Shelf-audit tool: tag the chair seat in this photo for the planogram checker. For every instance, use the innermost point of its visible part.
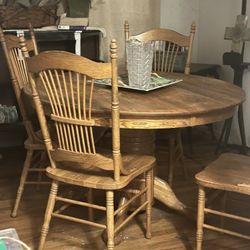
(99, 179)
(230, 172)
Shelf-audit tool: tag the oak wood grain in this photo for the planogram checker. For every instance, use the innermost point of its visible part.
(197, 100)
(230, 173)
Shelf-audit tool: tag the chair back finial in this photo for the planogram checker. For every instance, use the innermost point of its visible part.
(1, 34)
(193, 27)
(33, 38)
(190, 49)
(126, 35)
(126, 30)
(23, 46)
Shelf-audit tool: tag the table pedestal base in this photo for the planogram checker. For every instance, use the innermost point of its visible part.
(143, 142)
(164, 193)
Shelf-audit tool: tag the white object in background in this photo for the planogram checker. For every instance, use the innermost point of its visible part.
(77, 35)
(20, 33)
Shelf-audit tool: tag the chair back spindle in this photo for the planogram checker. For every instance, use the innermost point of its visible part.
(68, 82)
(168, 46)
(115, 112)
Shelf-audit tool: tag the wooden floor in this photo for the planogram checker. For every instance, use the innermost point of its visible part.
(169, 229)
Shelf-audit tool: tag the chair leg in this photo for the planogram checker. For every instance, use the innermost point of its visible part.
(200, 218)
(149, 186)
(181, 155)
(110, 219)
(190, 139)
(42, 161)
(47, 217)
(23, 178)
(90, 200)
(171, 161)
(223, 209)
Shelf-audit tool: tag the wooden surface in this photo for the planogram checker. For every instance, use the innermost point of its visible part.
(170, 231)
(195, 101)
(230, 172)
(72, 113)
(74, 159)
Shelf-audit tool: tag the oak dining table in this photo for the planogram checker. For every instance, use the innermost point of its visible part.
(196, 100)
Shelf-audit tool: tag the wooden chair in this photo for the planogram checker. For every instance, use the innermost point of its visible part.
(19, 79)
(230, 172)
(168, 47)
(68, 86)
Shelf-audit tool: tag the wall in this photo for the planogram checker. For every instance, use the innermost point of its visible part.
(178, 15)
(111, 14)
(214, 17)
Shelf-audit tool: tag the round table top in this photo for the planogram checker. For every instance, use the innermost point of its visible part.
(195, 101)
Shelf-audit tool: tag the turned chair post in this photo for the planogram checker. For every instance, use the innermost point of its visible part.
(200, 217)
(115, 113)
(33, 39)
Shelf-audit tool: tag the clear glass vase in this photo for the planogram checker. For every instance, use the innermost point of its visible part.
(139, 63)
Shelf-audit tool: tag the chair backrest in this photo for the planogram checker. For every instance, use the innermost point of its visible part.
(67, 81)
(169, 45)
(18, 72)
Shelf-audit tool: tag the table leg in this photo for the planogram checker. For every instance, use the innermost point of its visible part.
(164, 193)
(227, 129)
(242, 126)
(143, 142)
(224, 136)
